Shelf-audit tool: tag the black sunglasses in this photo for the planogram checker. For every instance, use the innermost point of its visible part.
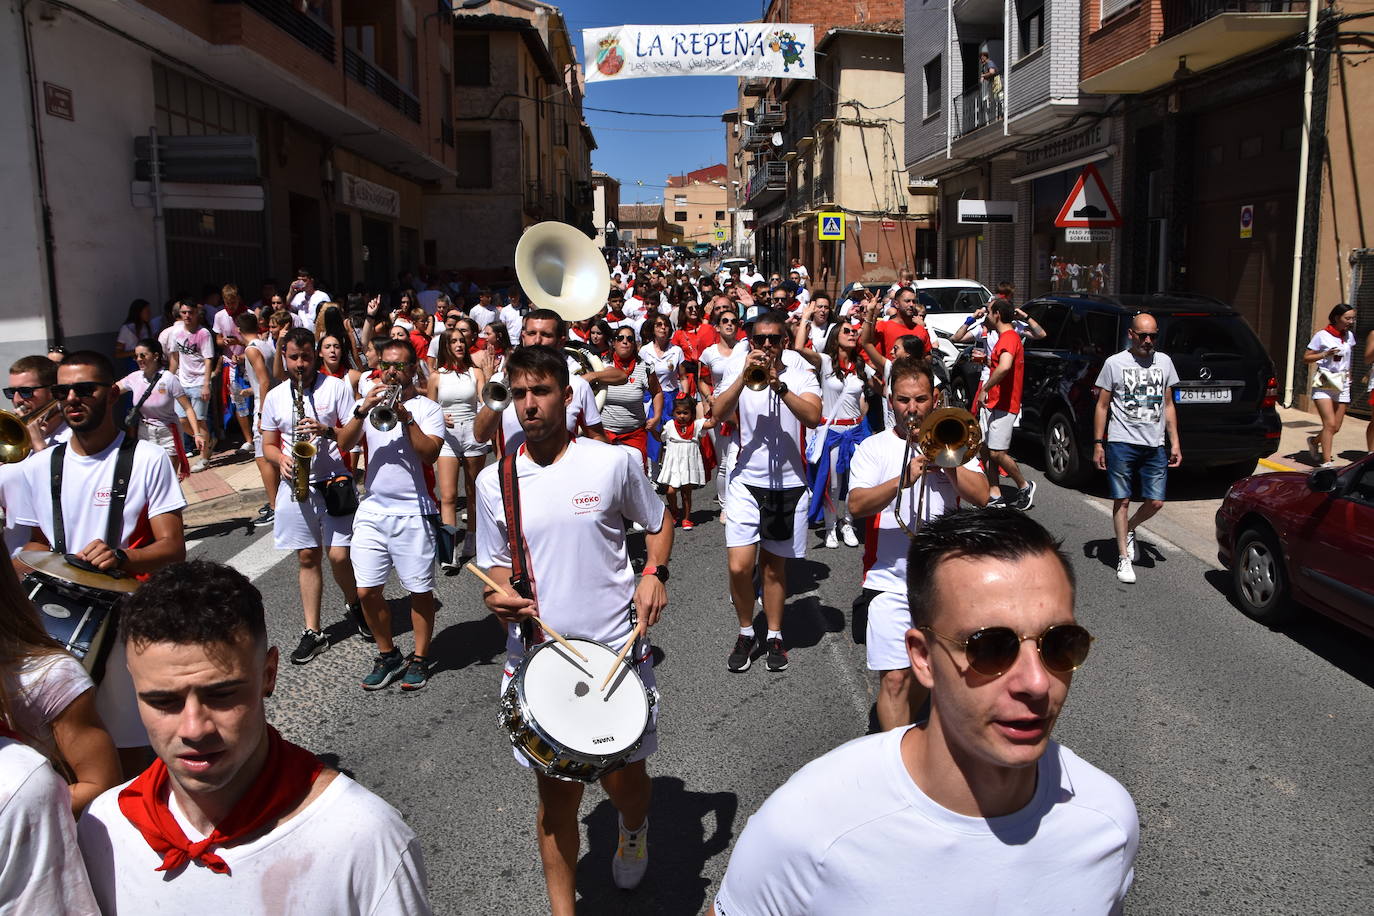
(82, 389)
(992, 651)
(1147, 335)
(24, 391)
(765, 339)
(623, 337)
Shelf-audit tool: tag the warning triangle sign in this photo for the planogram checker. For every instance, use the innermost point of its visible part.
(1089, 205)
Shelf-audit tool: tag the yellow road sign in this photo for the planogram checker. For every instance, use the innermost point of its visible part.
(720, 235)
(830, 226)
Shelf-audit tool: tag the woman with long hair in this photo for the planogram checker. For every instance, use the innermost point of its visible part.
(1331, 349)
(336, 359)
(138, 324)
(496, 345)
(599, 335)
(48, 699)
(843, 426)
(693, 336)
(624, 416)
(665, 360)
(333, 322)
(154, 389)
(456, 386)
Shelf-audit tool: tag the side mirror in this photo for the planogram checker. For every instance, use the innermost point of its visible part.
(1322, 481)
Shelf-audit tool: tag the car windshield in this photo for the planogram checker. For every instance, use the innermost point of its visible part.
(953, 298)
(1209, 337)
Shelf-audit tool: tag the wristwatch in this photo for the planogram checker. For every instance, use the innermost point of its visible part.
(660, 571)
(779, 388)
(356, 414)
(121, 557)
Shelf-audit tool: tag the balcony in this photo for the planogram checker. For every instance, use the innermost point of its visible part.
(771, 115)
(757, 85)
(305, 28)
(756, 138)
(975, 109)
(1203, 34)
(380, 84)
(767, 182)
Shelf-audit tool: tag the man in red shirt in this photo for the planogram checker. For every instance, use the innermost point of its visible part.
(910, 319)
(1000, 403)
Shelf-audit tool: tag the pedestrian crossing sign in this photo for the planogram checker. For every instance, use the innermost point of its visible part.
(720, 235)
(830, 227)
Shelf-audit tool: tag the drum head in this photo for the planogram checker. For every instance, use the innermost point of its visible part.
(563, 696)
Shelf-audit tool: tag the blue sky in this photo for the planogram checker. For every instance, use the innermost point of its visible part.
(649, 149)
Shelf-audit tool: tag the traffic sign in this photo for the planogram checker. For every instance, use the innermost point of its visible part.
(830, 226)
(1087, 235)
(1247, 221)
(720, 235)
(888, 225)
(1089, 205)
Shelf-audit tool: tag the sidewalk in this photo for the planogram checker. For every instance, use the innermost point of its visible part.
(1348, 445)
(229, 488)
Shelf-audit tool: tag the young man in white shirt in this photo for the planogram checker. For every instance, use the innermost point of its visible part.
(483, 313)
(229, 806)
(394, 525)
(766, 496)
(190, 349)
(876, 483)
(590, 592)
(950, 813)
(304, 525)
(151, 532)
(305, 299)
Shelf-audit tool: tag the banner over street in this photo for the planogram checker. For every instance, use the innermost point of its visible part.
(759, 49)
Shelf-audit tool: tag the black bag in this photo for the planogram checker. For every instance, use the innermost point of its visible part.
(777, 511)
(340, 496)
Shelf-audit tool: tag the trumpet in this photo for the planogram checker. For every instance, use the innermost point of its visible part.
(946, 438)
(383, 415)
(14, 432)
(302, 451)
(496, 394)
(755, 377)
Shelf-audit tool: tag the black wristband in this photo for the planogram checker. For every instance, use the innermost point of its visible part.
(356, 415)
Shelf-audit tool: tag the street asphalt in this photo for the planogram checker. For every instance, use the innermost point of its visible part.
(1248, 751)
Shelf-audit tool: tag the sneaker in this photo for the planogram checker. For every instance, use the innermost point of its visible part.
(1124, 571)
(417, 673)
(743, 655)
(996, 502)
(687, 524)
(777, 655)
(199, 466)
(831, 540)
(385, 669)
(312, 643)
(266, 518)
(1025, 497)
(264, 511)
(1132, 548)
(847, 533)
(1329, 464)
(355, 614)
(246, 448)
(631, 857)
(1314, 449)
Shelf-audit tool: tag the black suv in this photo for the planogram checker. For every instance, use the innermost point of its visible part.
(1225, 395)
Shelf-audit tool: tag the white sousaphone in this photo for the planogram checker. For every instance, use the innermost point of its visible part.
(561, 269)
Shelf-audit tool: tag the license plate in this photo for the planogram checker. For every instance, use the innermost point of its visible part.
(1202, 395)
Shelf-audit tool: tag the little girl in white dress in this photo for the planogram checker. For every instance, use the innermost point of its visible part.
(681, 468)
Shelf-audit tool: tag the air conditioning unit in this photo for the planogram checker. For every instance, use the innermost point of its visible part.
(916, 185)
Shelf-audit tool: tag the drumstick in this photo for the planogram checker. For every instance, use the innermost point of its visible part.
(492, 583)
(615, 665)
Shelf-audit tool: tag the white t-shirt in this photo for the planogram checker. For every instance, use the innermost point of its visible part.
(39, 690)
(158, 409)
(852, 833)
(583, 407)
(1324, 340)
(129, 336)
(226, 327)
(513, 319)
(665, 366)
(269, 353)
(770, 435)
(43, 871)
(86, 481)
(330, 402)
(348, 852)
(305, 307)
(193, 352)
(485, 316)
(842, 399)
(877, 460)
(715, 362)
(398, 482)
(581, 499)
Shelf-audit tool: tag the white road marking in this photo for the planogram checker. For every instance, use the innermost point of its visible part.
(1148, 535)
(257, 558)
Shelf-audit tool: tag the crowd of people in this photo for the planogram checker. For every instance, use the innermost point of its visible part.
(415, 431)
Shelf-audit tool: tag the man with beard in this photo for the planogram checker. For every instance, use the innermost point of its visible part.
(151, 533)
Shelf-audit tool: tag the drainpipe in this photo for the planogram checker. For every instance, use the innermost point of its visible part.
(1304, 179)
(49, 246)
(1004, 66)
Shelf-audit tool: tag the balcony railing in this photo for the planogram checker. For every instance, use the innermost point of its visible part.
(303, 27)
(772, 114)
(768, 176)
(374, 80)
(1182, 15)
(756, 85)
(976, 108)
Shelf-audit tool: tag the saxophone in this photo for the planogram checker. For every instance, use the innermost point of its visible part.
(301, 448)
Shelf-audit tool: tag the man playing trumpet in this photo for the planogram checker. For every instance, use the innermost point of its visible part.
(876, 485)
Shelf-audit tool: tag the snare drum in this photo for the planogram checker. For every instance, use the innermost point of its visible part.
(79, 617)
(559, 719)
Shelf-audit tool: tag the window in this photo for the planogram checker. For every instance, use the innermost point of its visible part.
(1032, 16)
(1111, 7)
(679, 200)
(474, 158)
(187, 107)
(1091, 333)
(363, 39)
(472, 60)
(410, 63)
(720, 214)
(1050, 316)
(932, 80)
(679, 216)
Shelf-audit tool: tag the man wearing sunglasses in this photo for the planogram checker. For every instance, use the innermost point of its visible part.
(1135, 408)
(975, 809)
(766, 494)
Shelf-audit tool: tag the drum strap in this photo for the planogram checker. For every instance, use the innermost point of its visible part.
(119, 489)
(520, 579)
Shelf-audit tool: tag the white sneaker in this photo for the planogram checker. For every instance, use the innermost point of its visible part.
(1132, 548)
(847, 532)
(1124, 571)
(831, 540)
(199, 466)
(246, 448)
(631, 857)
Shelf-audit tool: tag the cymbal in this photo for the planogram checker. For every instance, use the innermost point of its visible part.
(53, 564)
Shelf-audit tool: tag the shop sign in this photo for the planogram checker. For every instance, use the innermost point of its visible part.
(1069, 146)
(1247, 221)
(1087, 235)
(982, 212)
(368, 195)
(888, 225)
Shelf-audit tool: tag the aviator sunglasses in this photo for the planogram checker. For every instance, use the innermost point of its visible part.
(992, 651)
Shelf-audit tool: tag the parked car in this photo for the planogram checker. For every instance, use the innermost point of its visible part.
(1225, 396)
(948, 303)
(702, 250)
(727, 263)
(650, 253)
(1295, 540)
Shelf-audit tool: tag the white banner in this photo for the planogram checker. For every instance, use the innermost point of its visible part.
(752, 49)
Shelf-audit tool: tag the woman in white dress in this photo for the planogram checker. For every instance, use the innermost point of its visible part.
(1331, 350)
(156, 417)
(455, 386)
(664, 359)
(682, 468)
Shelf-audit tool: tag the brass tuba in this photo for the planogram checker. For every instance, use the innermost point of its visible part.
(946, 438)
(14, 432)
(560, 268)
(588, 362)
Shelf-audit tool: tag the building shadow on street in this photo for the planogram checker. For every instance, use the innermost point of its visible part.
(686, 830)
(1338, 644)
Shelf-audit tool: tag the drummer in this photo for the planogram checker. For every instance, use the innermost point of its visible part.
(590, 592)
(151, 535)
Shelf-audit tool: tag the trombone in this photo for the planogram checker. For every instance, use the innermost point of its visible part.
(15, 445)
(946, 438)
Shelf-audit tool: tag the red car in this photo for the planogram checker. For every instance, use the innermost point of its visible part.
(1297, 538)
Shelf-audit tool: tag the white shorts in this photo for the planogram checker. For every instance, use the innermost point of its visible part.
(889, 617)
(117, 702)
(300, 526)
(382, 543)
(1326, 394)
(742, 523)
(997, 428)
(459, 443)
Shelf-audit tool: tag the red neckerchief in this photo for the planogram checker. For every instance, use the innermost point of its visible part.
(286, 777)
(612, 316)
(627, 369)
(687, 432)
(1331, 329)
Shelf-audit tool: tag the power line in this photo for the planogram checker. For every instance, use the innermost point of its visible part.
(649, 114)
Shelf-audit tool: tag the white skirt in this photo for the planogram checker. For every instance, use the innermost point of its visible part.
(681, 465)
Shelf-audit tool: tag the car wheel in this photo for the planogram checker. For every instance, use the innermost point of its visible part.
(1259, 578)
(1063, 462)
